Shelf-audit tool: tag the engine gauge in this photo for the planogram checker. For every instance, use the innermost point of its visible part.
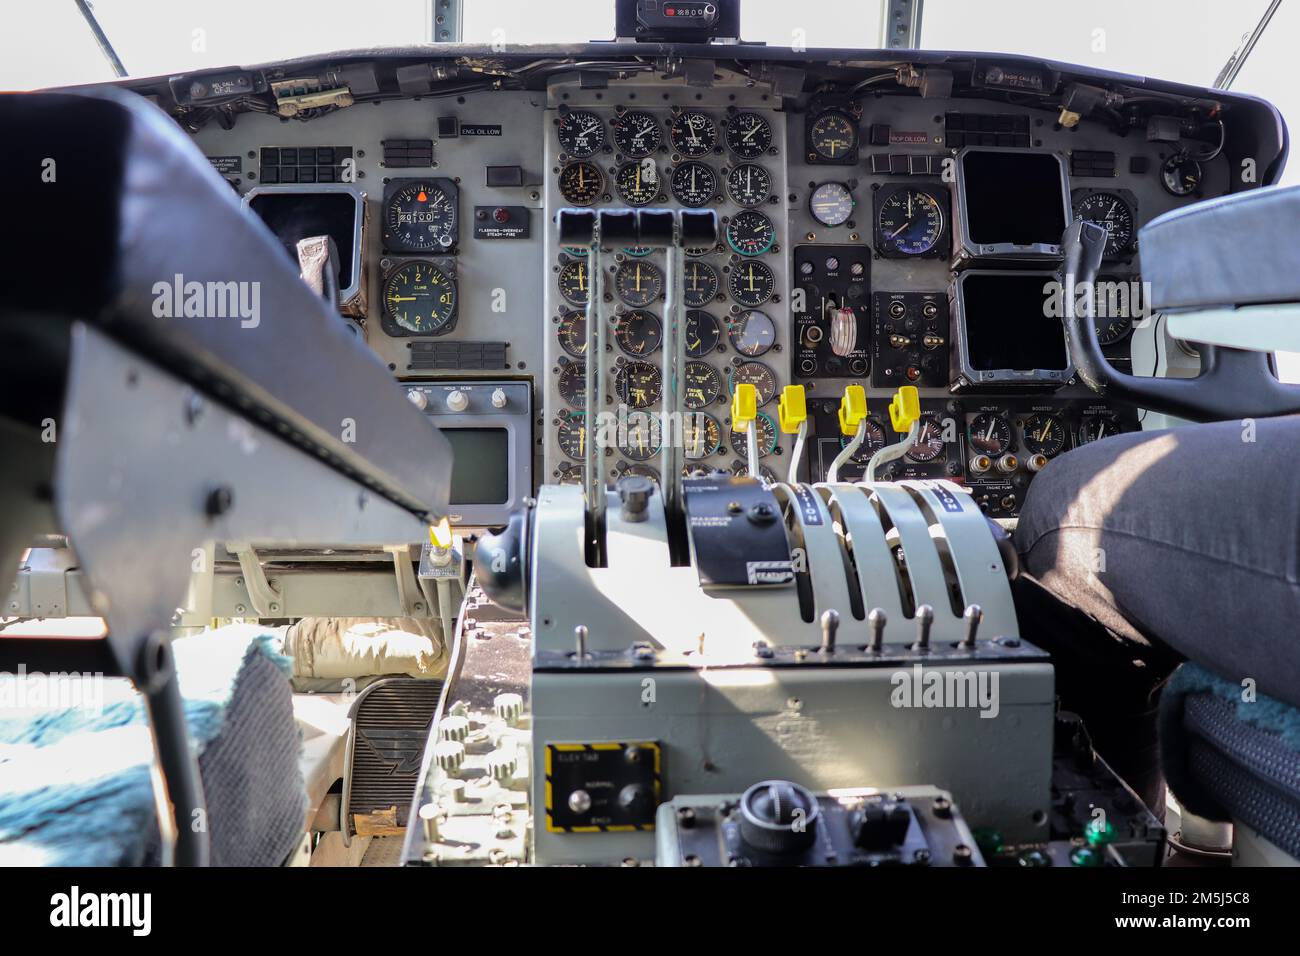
(1112, 213)
(750, 233)
(638, 384)
(625, 468)
(831, 204)
(751, 284)
(638, 283)
(700, 284)
(702, 333)
(636, 252)
(872, 442)
(638, 333)
(572, 436)
(1181, 175)
(581, 183)
(572, 384)
(748, 135)
(909, 222)
(572, 333)
(1043, 435)
(766, 438)
(833, 137)
(581, 133)
(703, 385)
(752, 333)
(1096, 427)
(637, 182)
(694, 184)
(636, 133)
(420, 215)
(420, 297)
(757, 374)
(701, 436)
(693, 134)
(575, 282)
(989, 434)
(929, 440)
(640, 438)
(749, 184)
(1112, 314)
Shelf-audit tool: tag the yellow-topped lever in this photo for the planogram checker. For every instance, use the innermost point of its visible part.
(792, 416)
(905, 408)
(853, 409)
(744, 412)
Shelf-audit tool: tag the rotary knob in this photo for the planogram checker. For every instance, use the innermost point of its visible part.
(454, 728)
(499, 398)
(508, 707)
(777, 816)
(450, 754)
(457, 401)
(502, 764)
(418, 399)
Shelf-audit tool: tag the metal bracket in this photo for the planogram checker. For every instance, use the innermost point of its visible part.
(900, 24)
(263, 597)
(409, 593)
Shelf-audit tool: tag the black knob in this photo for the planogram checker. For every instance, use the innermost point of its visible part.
(499, 564)
(777, 816)
(634, 491)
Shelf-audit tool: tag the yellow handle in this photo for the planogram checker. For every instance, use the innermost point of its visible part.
(792, 409)
(853, 408)
(905, 408)
(744, 406)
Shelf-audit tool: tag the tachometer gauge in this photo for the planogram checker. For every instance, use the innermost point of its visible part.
(640, 439)
(420, 297)
(757, 374)
(694, 184)
(572, 384)
(831, 204)
(638, 333)
(701, 436)
(702, 333)
(989, 434)
(581, 133)
(693, 134)
(929, 441)
(909, 222)
(637, 182)
(1181, 175)
(750, 233)
(581, 183)
(638, 384)
(766, 438)
(700, 284)
(1043, 435)
(575, 282)
(572, 333)
(1112, 213)
(751, 284)
(636, 133)
(703, 385)
(752, 333)
(572, 436)
(748, 135)
(833, 136)
(1096, 427)
(420, 216)
(748, 184)
(638, 283)
(872, 442)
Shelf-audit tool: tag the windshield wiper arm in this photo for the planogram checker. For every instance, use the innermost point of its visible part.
(101, 38)
(1239, 55)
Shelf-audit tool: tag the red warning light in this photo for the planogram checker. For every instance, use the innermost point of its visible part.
(423, 197)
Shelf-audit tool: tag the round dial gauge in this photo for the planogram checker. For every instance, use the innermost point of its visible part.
(1181, 175)
(1095, 427)
(752, 333)
(637, 252)
(638, 333)
(637, 182)
(831, 204)
(766, 438)
(703, 385)
(420, 297)
(702, 333)
(624, 468)
(636, 133)
(572, 436)
(929, 441)
(748, 135)
(871, 443)
(421, 217)
(693, 134)
(575, 282)
(581, 133)
(701, 436)
(573, 384)
(637, 384)
(833, 136)
(700, 284)
(640, 439)
(1113, 214)
(750, 233)
(638, 283)
(751, 283)
(910, 223)
(757, 374)
(1044, 435)
(1112, 315)
(694, 184)
(581, 183)
(989, 434)
(748, 184)
(572, 333)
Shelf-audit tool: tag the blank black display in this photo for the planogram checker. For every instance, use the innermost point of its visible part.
(1013, 197)
(295, 216)
(480, 469)
(1007, 325)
